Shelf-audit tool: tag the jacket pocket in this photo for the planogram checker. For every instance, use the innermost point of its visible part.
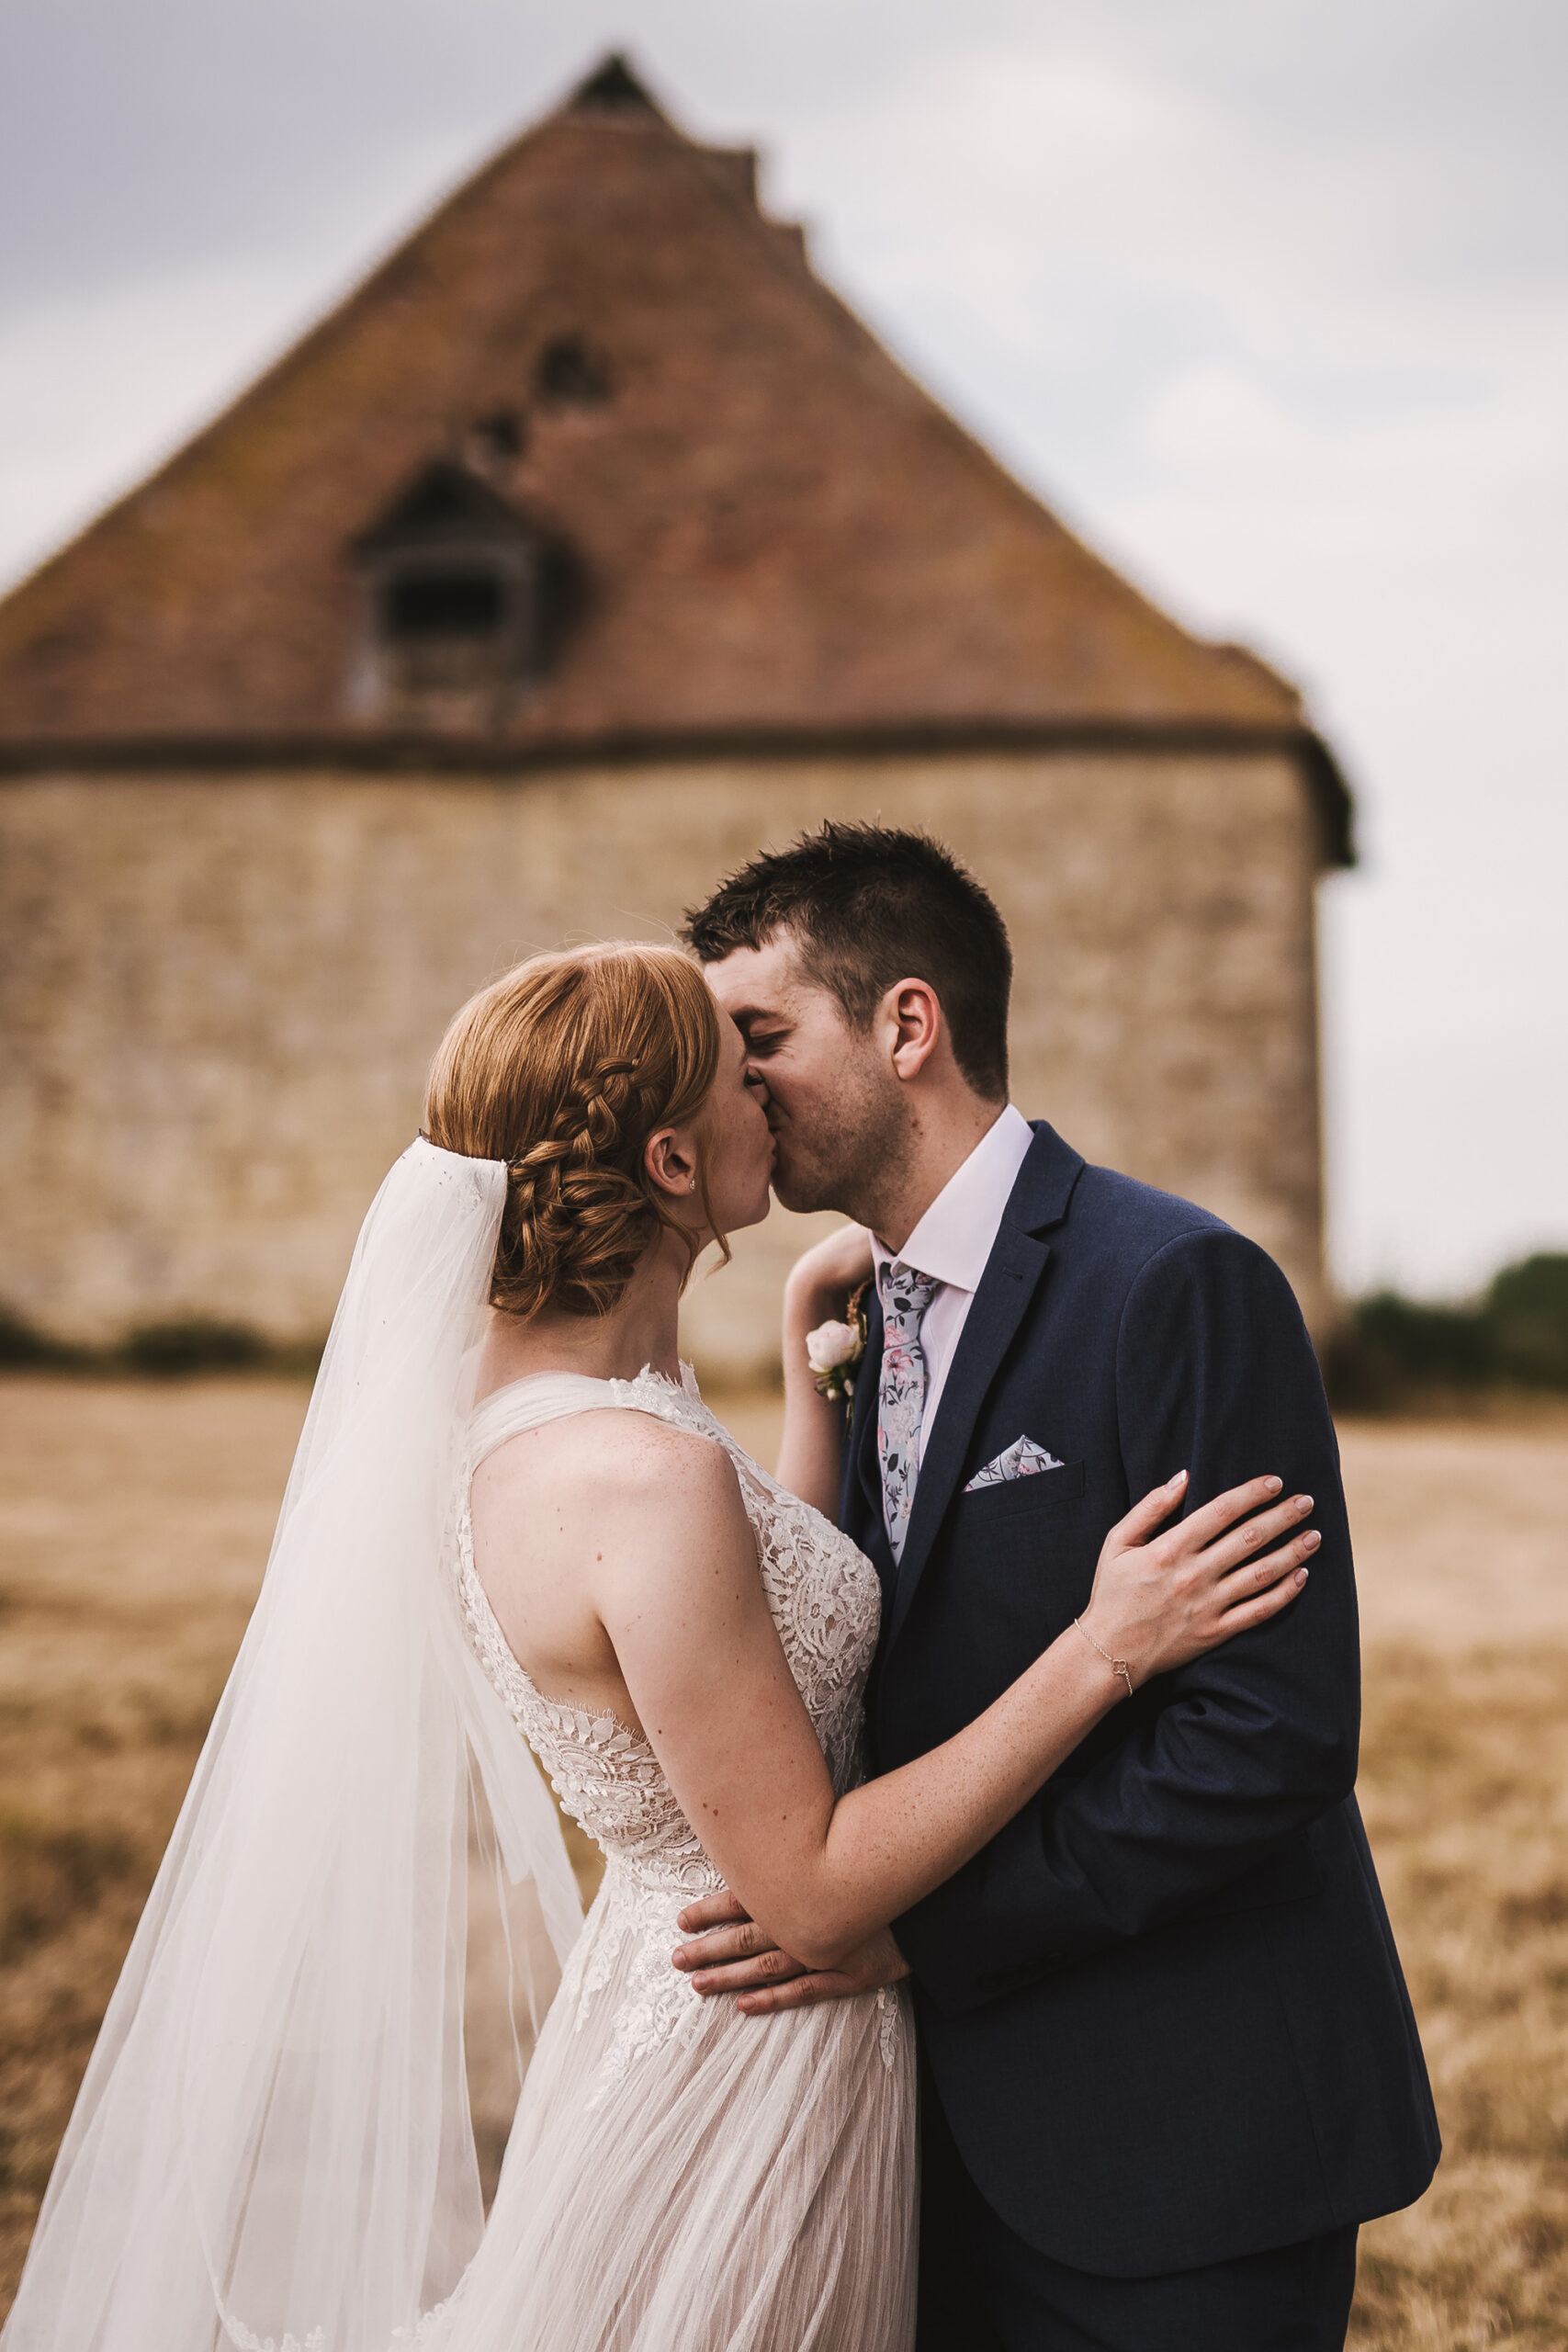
(1039, 1492)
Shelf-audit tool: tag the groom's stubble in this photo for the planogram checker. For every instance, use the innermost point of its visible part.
(838, 1115)
(832, 1157)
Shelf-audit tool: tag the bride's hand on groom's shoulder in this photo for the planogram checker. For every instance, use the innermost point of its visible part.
(732, 1954)
(825, 1275)
(1162, 1599)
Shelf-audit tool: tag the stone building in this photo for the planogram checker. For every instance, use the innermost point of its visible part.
(590, 544)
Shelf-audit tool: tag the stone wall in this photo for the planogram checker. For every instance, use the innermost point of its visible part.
(219, 994)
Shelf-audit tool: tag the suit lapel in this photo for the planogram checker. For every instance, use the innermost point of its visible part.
(1007, 1288)
(1040, 1200)
(1018, 1260)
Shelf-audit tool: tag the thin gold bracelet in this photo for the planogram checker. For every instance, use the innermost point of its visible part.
(1117, 1664)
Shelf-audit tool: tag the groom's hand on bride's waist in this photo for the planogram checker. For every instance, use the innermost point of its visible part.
(730, 1953)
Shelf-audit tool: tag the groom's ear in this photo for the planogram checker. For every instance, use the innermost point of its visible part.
(910, 1017)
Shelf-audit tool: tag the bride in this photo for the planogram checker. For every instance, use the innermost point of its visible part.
(511, 1513)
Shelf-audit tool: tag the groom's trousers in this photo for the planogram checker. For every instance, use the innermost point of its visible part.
(982, 2288)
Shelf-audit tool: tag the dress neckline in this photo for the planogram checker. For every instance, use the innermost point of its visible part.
(685, 1386)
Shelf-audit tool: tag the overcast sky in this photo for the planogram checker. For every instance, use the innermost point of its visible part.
(1268, 299)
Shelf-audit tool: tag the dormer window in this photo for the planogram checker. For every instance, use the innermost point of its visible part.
(458, 586)
(443, 604)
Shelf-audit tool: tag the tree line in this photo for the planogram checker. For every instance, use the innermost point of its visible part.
(1390, 1351)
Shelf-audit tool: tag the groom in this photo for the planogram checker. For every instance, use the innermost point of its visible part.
(1168, 2062)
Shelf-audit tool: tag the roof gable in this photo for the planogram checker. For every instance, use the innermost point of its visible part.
(771, 529)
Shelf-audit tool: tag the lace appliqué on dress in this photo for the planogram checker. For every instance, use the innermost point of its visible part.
(824, 1598)
(608, 1779)
(239, 2334)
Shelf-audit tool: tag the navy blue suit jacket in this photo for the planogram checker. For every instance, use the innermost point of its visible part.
(1163, 2009)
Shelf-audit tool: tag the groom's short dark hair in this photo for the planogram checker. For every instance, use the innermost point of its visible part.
(868, 906)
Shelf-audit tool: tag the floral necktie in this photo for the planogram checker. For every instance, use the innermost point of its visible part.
(901, 1394)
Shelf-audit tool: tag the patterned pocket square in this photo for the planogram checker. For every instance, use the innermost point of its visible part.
(1022, 1459)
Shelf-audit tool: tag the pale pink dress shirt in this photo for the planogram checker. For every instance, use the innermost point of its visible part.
(953, 1239)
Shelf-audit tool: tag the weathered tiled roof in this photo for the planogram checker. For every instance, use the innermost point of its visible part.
(771, 531)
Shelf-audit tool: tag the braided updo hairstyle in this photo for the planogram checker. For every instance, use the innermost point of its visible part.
(564, 1068)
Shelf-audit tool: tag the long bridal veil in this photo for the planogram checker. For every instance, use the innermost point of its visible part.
(272, 2142)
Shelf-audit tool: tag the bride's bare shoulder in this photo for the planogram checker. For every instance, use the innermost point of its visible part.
(638, 1452)
(615, 1460)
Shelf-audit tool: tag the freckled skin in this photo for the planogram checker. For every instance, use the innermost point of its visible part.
(617, 1552)
(642, 1509)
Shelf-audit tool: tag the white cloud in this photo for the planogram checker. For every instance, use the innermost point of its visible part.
(100, 381)
(1290, 380)
(1273, 302)
(94, 388)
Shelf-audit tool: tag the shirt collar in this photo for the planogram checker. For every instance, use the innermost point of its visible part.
(955, 1236)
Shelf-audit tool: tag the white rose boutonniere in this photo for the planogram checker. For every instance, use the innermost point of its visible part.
(834, 1350)
(831, 1347)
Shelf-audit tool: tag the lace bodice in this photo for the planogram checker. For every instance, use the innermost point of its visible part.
(822, 1593)
(824, 1598)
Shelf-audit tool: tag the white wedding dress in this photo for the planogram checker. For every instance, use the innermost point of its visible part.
(273, 2144)
(680, 2176)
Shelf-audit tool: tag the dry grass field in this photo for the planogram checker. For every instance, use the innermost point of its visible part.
(134, 1522)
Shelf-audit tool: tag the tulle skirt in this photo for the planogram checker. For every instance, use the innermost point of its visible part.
(680, 2177)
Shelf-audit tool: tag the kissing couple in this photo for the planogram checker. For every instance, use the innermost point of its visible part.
(989, 1956)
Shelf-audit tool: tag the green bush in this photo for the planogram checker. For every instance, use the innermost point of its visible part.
(1392, 1349)
(193, 1344)
(157, 1350)
(22, 1345)
(1527, 1309)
